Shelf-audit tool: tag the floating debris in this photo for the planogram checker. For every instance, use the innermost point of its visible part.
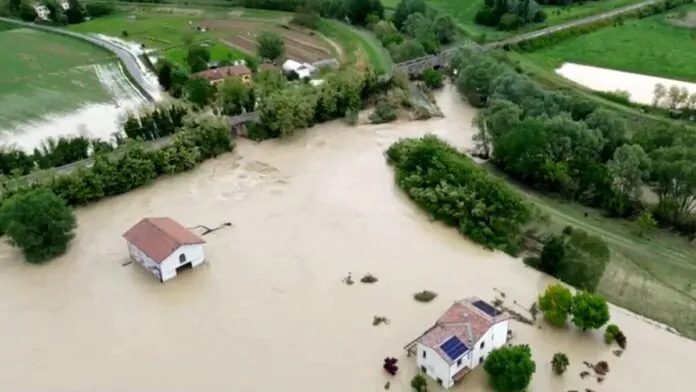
(584, 374)
(618, 353)
(207, 230)
(600, 379)
(380, 320)
(425, 296)
(387, 385)
(601, 368)
(497, 302)
(368, 278)
(129, 262)
(534, 311)
(348, 279)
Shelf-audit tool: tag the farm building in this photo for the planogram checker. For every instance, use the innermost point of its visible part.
(302, 70)
(217, 75)
(43, 13)
(163, 246)
(460, 340)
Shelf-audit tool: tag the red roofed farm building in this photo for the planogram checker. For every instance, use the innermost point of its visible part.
(162, 246)
(460, 340)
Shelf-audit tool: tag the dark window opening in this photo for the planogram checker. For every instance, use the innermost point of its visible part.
(423, 353)
(483, 344)
(423, 369)
(459, 362)
(481, 360)
(182, 258)
(439, 381)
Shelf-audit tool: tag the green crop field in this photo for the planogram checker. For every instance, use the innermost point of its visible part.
(662, 45)
(44, 73)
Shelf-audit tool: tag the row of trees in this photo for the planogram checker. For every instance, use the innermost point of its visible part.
(509, 14)
(564, 144)
(455, 190)
(53, 152)
(36, 217)
(588, 310)
(154, 123)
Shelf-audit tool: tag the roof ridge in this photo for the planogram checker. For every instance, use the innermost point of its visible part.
(169, 236)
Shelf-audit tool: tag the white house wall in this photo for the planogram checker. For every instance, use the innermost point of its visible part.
(495, 337)
(467, 360)
(435, 366)
(194, 255)
(144, 260)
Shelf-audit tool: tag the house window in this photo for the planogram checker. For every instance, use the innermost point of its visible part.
(459, 362)
(182, 258)
(480, 360)
(423, 369)
(439, 381)
(423, 353)
(483, 344)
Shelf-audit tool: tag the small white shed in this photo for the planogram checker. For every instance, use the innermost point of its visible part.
(163, 246)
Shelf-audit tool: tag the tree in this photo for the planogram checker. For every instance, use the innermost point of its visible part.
(285, 111)
(432, 78)
(659, 93)
(199, 91)
(197, 57)
(418, 383)
(164, 73)
(27, 12)
(39, 223)
(559, 363)
(629, 167)
(673, 178)
(55, 11)
(613, 128)
(234, 97)
(75, 13)
(590, 311)
(555, 304)
(387, 33)
(510, 368)
(358, 11)
(405, 8)
(271, 46)
(407, 50)
(445, 29)
(645, 223)
(553, 255)
(475, 79)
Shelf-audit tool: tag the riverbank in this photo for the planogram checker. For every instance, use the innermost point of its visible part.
(305, 213)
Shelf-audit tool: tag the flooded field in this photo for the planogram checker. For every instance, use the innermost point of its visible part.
(269, 311)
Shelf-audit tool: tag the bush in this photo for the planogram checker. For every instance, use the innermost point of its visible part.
(384, 112)
(559, 363)
(614, 334)
(425, 296)
(432, 78)
(418, 383)
(96, 10)
(509, 22)
(455, 190)
(39, 223)
(510, 368)
(555, 304)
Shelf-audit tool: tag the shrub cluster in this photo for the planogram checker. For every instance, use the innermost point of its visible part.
(566, 145)
(455, 190)
(589, 311)
(614, 334)
(659, 7)
(509, 14)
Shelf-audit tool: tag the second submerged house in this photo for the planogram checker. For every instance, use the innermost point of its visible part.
(460, 340)
(163, 246)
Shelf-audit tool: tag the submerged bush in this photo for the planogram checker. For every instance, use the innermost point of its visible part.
(425, 296)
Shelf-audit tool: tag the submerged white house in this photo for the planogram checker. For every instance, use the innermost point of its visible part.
(460, 340)
(163, 246)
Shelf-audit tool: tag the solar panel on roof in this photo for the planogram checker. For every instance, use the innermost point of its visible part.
(486, 308)
(454, 348)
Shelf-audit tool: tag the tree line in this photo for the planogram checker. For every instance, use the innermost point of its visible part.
(36, 215)
(566, 145)
(509, 14)
(75, 13)
(454, 189)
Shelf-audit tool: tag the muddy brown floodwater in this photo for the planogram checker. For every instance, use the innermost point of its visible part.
(269, 311)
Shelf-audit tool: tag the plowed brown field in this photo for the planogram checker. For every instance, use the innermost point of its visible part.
(299, 45)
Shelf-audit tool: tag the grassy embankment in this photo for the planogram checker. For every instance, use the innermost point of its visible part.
(465, 11)
(45, 73)
(656, 46)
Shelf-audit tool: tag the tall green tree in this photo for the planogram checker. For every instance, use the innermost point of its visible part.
(75, 13)
(197, 57)
(199, 91)
(590, 311)
(405, 8)
(359, 10)
(234, 97)
(39, 223)
(270, 46)
(510, 368)
(629, 168)
(27, 12)
(555, 304)
(673, 178)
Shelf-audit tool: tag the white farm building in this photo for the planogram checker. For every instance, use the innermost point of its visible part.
(163, 246)
(460, 340)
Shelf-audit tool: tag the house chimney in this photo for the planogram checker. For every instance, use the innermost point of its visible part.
(470, 334)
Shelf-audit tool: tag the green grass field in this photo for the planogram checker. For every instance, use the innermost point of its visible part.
(355, 41)
(464, 12)
(652, 276)
(45, 73)
(651, 46)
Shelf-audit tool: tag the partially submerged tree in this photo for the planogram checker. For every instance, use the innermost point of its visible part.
(555, 304)
(510, 368)
(590, 311)
(559, 363)
(39, 223)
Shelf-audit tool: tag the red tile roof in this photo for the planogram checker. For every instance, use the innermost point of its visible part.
(223, 72)
(454, 323)
(160, 237)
